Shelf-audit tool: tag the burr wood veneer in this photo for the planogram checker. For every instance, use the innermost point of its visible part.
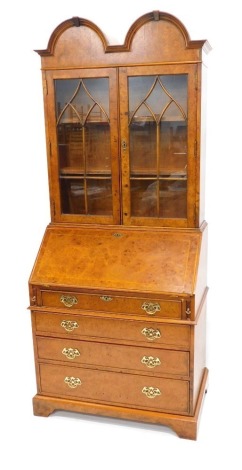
(118, 289)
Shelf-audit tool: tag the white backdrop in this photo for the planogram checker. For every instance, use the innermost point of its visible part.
(70, 440)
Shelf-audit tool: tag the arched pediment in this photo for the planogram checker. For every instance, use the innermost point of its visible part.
(155, 36)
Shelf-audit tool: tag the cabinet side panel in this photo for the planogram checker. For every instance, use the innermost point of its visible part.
(33, 320)
(201, 282)
(199, 353)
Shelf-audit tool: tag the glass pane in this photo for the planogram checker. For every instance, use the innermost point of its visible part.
(143, 198)
(73, 196)
(71, 155)
(76, 97)
(142, 136)
(158, 141)
(99, 196)
(173, 148)
(173, 199)
(84, 148)
(97, 147)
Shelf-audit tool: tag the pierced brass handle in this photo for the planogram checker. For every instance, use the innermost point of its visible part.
(151, 308)
(68, 300)
(69, 325)
(106, 298)
(151, 392)
(72, 382)
(71, 353)
(151, 334)
(150, 361)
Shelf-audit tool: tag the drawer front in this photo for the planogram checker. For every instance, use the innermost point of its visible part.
(129, 390)
(116, 304)
(141, 332)
(147, 360)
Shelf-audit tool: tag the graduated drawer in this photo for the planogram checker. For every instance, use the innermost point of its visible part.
(116, 304)
(143, 332)
(148, 360)
(115, 388)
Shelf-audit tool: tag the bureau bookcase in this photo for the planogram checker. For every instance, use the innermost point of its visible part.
(118, 289)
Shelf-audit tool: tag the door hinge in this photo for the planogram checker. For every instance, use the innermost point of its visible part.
(53, 208)
(45, 86)
(196, 79)
(195, 148)
(194, 213)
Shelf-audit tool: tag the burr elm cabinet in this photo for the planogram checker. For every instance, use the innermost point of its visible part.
(118, 289)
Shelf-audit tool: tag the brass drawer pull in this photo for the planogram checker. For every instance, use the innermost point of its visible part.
(69, 325)
(151, 392)
(70, 353)
(150, 361)
(151, 334)
(106, 298)
(72, 382)
(68, 300)
(151, 308)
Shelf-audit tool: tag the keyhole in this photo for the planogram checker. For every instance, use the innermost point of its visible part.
(124, 144)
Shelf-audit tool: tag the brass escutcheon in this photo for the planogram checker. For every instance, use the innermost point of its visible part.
(69, 325)
(151, 334)
(70, 353)
(72, 382)
(124, 145)
(68, 300)
(151, 308)
(151, 392)
(150, 361)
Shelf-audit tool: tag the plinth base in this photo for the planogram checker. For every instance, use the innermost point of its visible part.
(184, 426)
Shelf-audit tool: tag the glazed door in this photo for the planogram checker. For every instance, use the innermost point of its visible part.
(158, 133)
(83, 136)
